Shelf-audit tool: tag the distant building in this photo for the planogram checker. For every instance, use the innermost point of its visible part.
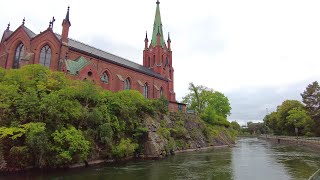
(60, 53)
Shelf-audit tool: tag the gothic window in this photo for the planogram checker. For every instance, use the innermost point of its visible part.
(45, 56)
(154, 59)
(162, 59)
(146, 90)
(18, 56)
(148, 61)
(105, 78)
(161, 91)
(127, 84)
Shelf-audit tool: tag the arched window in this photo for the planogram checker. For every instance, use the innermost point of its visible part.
(45, 56)
(161, 91)
(146, 90)
(148, 61)
(127, 84)
(162, 59)
(18, 56)
(154, 60)
(104, 78)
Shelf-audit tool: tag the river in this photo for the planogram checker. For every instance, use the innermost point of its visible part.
(250, 159)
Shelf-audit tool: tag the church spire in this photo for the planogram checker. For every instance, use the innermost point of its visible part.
(66, 19)
(65, 28)
(157, 27)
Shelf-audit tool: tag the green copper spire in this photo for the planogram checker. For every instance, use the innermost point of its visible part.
(157, 28)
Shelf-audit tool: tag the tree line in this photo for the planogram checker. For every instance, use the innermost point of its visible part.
(293, 117)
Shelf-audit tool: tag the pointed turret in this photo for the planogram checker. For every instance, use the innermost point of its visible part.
(65, 28)
(157, 28)
(169, 42)
(146, 41)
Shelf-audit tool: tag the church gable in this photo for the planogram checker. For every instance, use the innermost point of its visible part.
(46, 37)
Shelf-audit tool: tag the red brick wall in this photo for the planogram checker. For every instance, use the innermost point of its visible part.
(115, 84)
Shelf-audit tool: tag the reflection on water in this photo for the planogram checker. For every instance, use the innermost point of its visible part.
(254, 159)
(250, 159)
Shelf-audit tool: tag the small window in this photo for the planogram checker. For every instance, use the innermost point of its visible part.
(127, 84)
(148, 61)
(105, 78)
(45, 56)
(162, 59)
(18, 56)
(161, 91)
(146, 90)
(180, 107)
(89, 73)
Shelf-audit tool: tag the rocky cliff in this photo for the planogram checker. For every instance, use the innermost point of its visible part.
(179, 131)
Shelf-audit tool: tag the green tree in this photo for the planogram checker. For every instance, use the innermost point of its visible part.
(271, 121)
(298, 118)
(311, 98)
(235, 125)
(283, 113)
(212, 105)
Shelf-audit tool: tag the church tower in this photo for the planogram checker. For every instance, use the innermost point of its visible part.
(157, 56)
(64, 37)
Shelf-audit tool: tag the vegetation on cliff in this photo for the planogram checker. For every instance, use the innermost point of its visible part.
(49, 120)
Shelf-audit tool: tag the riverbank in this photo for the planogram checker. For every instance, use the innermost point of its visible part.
(110, 161)
(309, 143)
(249, 159)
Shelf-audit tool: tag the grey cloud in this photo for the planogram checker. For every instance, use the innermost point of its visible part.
(253, 103)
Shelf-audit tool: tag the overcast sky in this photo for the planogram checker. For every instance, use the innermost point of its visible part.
(257, 52)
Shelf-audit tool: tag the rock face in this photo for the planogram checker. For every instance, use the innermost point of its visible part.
(155, 146)
(169, 133)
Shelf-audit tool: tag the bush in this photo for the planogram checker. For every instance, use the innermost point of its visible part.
(124, 149)
(70, 146)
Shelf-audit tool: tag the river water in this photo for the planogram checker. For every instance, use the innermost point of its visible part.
(250, 159)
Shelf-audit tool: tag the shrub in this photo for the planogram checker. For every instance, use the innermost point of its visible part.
(124, 149)
(70, 146)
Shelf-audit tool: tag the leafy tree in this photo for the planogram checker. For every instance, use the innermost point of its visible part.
(311, 98)
(297, 118)
(235, 125)
(283, 113)
(271, 121)
(212, 105)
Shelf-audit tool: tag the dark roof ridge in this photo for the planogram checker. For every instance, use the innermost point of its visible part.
(101, 50)
(75, 44)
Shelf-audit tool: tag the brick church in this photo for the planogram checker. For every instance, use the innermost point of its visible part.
(155, 78)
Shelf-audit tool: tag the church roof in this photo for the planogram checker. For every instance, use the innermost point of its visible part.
(6, 34)
(157, 28)
(105, 56)
(29, 32)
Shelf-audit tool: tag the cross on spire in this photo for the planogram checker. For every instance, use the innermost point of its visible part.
(158, 2)
(23, 21)
(8, 27)
(52, 21)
